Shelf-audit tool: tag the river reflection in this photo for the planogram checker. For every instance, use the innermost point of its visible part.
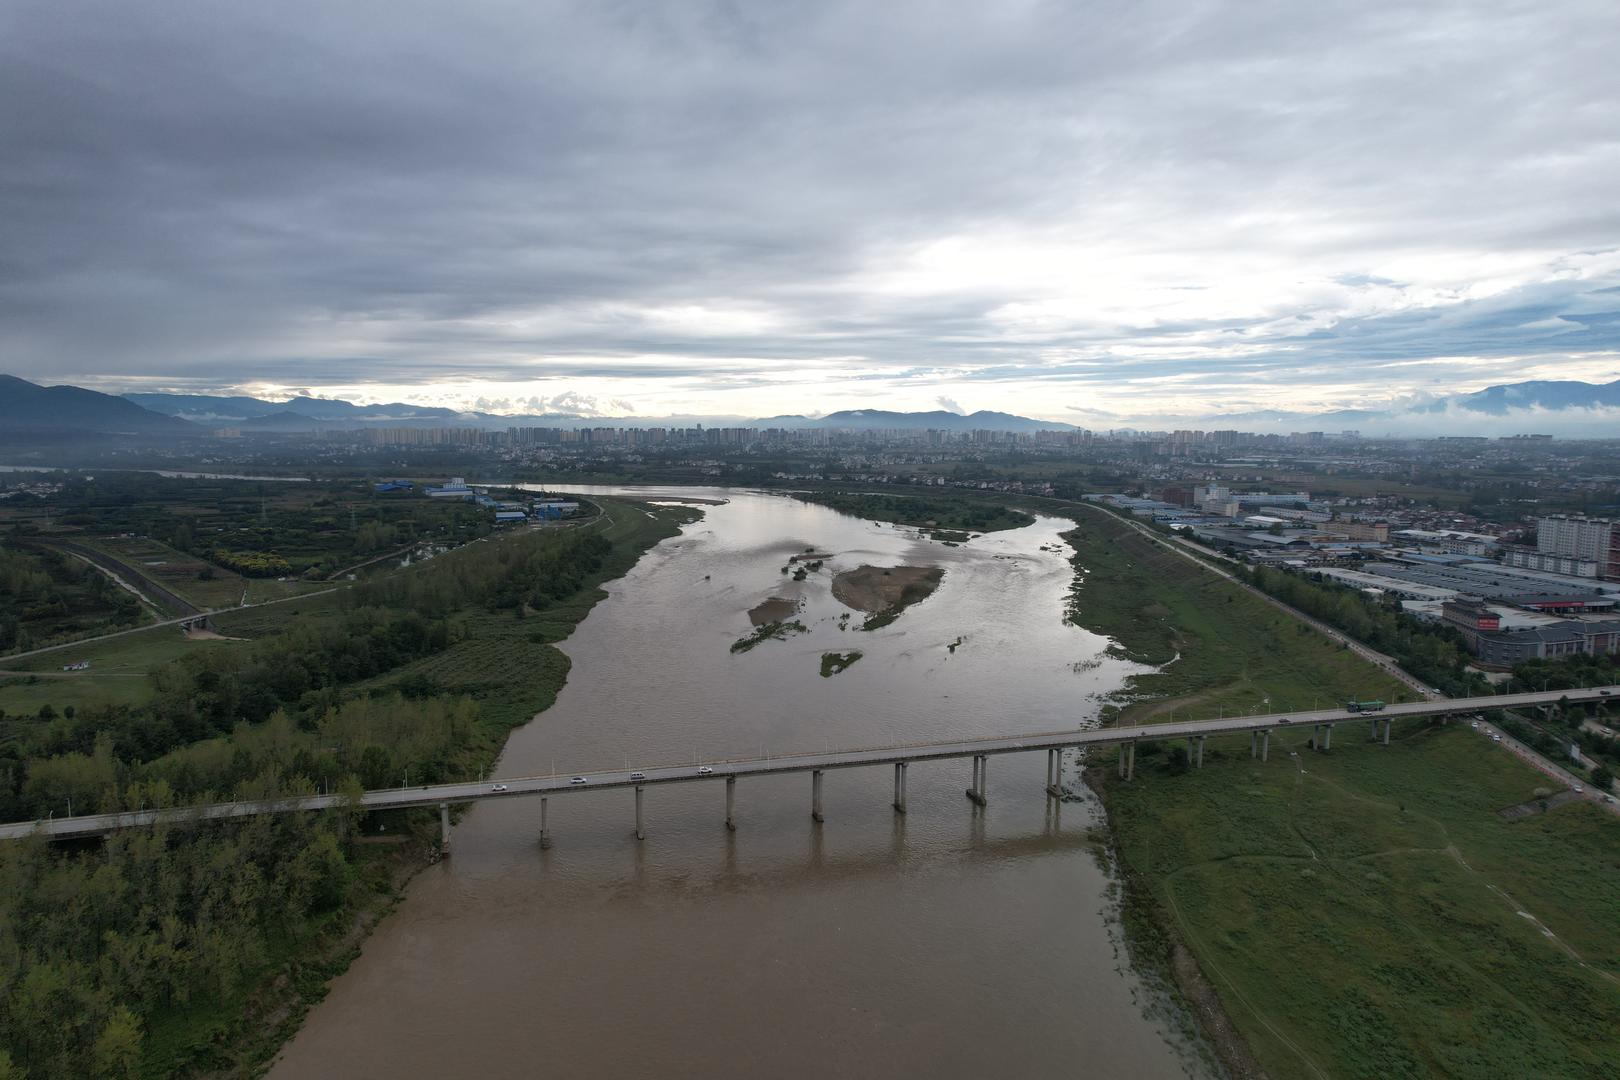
(950, 941)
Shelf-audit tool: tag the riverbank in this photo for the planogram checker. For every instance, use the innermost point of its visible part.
(228, 933)
(892, 915)
(1360, 912)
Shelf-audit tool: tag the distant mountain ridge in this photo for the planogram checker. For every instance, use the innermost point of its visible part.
(1567, 407)
(31, 409)
(206, 408)
(1551, 395)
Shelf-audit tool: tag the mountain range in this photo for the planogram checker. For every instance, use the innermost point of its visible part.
(47, 411)
(1568, 408)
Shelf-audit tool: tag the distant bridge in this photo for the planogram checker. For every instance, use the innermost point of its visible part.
(1322, 722)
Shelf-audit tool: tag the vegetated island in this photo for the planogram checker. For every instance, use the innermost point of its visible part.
(832, 663)
(885, 591)
(945, 519)
(767, 632)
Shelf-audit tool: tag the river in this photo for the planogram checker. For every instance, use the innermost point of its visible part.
(948, 942)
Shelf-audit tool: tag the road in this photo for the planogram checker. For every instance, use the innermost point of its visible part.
(518, 787)
(121, 569)
(87, 642)
(1551, 769)
(1201, 557)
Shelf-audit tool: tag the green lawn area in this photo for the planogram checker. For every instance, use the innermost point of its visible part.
(136, 653)
(1363, 912)
(21, 697)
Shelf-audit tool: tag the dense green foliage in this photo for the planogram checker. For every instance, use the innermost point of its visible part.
(47, 596)
(1434, 653)
(923, 511)
(253, 563)
(94, 947)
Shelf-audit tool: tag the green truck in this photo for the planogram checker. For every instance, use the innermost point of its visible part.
(1364, 706)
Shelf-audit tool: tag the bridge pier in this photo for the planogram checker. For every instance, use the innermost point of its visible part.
(731, 803)
(1265, 744)
(1201, 741)
(444, 828)
(980, 767)
(1054, 769)
(899, 803)
(1388, 723)
(1122, 760)
(545, 837)
(641, 831)
(1254, 744)
(815, 795)
(1130, 761)
(1327, 744)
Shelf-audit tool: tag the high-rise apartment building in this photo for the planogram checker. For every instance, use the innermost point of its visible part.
(1590, 539)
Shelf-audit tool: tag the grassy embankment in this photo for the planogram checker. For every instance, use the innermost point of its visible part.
(1363, 912)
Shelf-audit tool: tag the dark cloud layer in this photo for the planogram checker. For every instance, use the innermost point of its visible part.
(653, 203)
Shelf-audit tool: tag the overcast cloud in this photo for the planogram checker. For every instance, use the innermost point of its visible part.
(752, 208)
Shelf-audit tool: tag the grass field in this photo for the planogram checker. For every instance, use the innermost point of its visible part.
(1363, 912)
(1223, 649)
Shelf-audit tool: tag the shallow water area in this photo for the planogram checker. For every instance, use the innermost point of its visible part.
(950, 941)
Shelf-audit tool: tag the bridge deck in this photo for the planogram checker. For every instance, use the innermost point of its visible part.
(518, 787)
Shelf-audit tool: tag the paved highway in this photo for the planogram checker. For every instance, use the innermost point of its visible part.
(518, 787)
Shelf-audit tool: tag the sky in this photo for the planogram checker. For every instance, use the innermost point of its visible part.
(1079, 211)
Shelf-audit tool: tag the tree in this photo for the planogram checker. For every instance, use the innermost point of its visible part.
(1602, 778)
(117, 1052)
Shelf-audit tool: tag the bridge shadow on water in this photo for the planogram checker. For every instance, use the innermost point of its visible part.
(621, 868)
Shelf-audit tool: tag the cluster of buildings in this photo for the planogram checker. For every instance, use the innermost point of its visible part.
(1509, 602)
(517, 511)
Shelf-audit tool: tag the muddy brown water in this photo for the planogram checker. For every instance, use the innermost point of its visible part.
(948, 942)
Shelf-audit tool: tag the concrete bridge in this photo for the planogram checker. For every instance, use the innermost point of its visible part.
(899, 758)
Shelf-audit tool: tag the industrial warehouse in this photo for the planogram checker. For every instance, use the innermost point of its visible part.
(1510, 602)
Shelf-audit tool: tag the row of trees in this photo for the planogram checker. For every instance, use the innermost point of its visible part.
(921, 510)
(1435, 654)
(537, 572)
